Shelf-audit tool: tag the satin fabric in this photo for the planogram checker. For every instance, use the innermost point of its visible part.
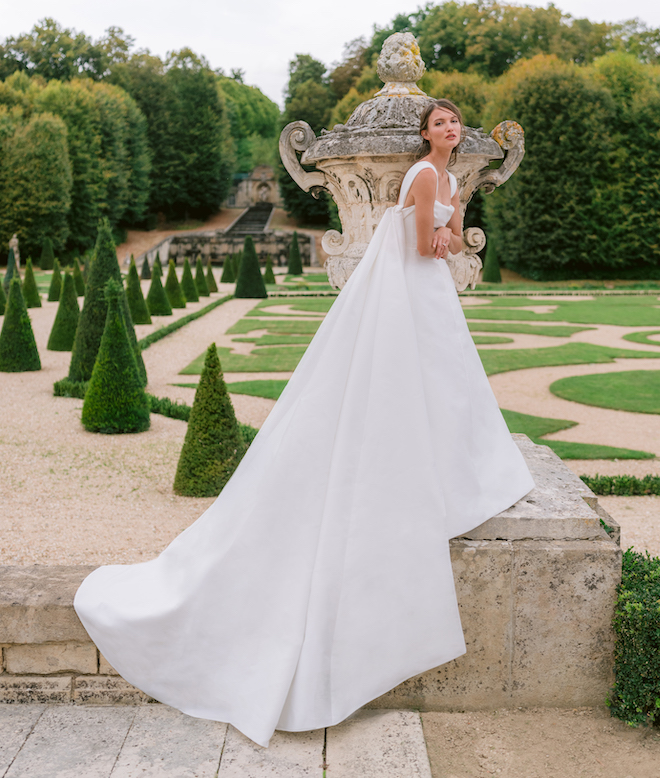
(320, 578)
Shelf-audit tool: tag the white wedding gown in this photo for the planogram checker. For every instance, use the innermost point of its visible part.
(320, 578)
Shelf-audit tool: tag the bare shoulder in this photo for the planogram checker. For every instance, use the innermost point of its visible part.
(425, 179)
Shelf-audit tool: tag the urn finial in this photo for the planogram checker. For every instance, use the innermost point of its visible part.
(400, 65)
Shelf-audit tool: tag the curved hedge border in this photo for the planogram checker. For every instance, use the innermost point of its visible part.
(643, 337)
(622, 485)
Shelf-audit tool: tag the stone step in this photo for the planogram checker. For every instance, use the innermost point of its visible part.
(156, 741)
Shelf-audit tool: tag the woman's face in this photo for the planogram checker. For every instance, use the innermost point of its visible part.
(443, 130)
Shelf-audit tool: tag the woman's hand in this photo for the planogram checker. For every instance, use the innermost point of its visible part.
(440, 242)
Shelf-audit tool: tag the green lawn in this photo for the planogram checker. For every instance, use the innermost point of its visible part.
(501, 361)
(488, 340)
(278, 340)
(537, 426)
(271, 389)
(244, 326)
(261, 360)
(643, 337)
(623, 310)
(299, 305)
(549, 330)
(632, 390)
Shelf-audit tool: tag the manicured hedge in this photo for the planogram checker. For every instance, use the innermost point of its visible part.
(18, 349)
(47, 256)
(295, 267)
(210, 278)
(200, 279)
(78, 279)
(173, 288)
(136, 303)
(625, 485)
(55, 284)
(30, 288)
(145, 272)
(188, 286)
(269, 276)
(63, 333)
(250, 282)
(157, 300)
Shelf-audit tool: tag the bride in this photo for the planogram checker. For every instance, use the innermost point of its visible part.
(320, 578)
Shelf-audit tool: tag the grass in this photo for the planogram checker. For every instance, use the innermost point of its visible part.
(244, 326)
(262, 360)
(298, 304)
(537, 426)
(504, 360)
(637, 391)
(549, 330)
(621, 310)
(163, 332)
(271, 389)
(643, 337)
(288, 340)
(487, 340)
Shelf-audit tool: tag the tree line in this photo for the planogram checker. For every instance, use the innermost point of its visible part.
(585, 200)
(92, 129)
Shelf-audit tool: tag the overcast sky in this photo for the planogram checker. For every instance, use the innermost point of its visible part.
(259, 36)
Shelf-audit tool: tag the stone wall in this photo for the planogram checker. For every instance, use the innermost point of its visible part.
(216, 245)
(535, 585)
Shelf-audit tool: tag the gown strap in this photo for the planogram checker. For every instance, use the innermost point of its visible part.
(410, 177)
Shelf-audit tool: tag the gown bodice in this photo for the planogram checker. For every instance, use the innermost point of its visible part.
(441, 213)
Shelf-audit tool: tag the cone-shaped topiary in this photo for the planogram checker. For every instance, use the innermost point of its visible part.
(295, 267)
(12, 271)
(250, 282)
(491, 274)
(237, 259)
(200, 280)
(157, 301)
(18, 350)
(55, 284)
(228, 276)
(145, 271)
(95, 308)
(47, 257)
(136, 304)
(78, 279)
(158, 267)
(3, 300)
(173, 288)
(30, 289)
(66, 320)
(115, 400)
(214, 444)
(210, 278)
(269, 276)
(188, 286)
(86, 268)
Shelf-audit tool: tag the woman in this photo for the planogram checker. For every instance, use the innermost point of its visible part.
(320, 578)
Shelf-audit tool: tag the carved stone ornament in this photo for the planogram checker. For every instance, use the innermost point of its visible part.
(362, 163)
(13, 244)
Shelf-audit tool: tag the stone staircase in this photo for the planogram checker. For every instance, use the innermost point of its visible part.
(252, 222)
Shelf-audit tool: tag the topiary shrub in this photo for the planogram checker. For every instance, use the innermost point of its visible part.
(295, 267)
(635, 697)
(200, 280)
(237, 258)
(12, 271)
(491, 274)
(158, 267)
(30, 289)
(228, 276)
(214, 445)
(63, 332)
(115, 401)
(136, 304)
(157, 300)
(250, 282)
(55, 284)
(18, 349)
(145, 271)
(95, 308)
(3, 300)
(47, 257)
(210, 278)
(173, 288)
(87, 264)
(188, 286)
(269, 276)
(66, 388)
(78, 279)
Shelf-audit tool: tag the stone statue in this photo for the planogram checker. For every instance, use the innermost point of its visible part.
(362, 163)
(13, 244)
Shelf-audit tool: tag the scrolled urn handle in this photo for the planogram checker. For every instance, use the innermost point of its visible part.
(334, 242)
(475, 240)
(299, 136)
(511, 137)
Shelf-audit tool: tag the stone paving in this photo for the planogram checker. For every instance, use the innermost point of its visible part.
(156, 741)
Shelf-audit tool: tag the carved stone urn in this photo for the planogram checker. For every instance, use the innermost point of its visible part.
(362, 163)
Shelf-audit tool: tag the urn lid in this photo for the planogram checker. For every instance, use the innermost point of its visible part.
(389, 123)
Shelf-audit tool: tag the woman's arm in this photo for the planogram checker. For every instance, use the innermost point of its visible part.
(422, 193)
(450, 237)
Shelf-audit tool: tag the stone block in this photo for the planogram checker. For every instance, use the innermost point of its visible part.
(36, 604)
(563, 600)
(25, 688)
(479, 678)
(107, 690)
(46, 658)
(105, 668)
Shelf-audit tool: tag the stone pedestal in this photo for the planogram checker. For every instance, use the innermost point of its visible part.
(535, 585)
